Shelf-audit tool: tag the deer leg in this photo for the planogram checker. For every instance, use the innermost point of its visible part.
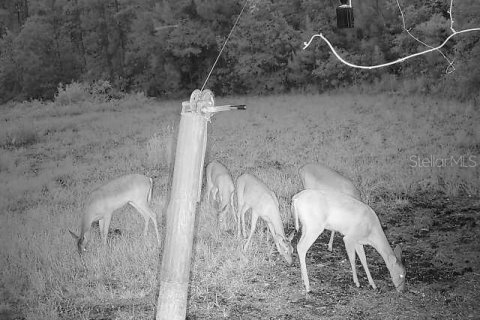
(214, 197)
(101, 224)
(252, 229)
(244, 232)
(241, 217)
(145, 226)
(104, 224)
(306, 240)
(272, 231)
(222, 217)
(330, 243)
(363, 259)
(232, 207)
(350, 248)
(140, 209)
(209, 190)
(147, 214)
(153, 217)
(244, 211)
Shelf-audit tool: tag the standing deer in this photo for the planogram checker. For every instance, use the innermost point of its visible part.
(318, 176)
(254, 194)
(133, 189)
(327, 209)
(220, 187)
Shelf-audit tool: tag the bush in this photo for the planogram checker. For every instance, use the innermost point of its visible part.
(101, 90)
(72, 93)
(134, 100)
(76, 92)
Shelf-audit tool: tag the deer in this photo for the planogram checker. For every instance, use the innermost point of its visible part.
(221, 189)
(321, 209)
(315, 175)
(255, 195)
(132, 189)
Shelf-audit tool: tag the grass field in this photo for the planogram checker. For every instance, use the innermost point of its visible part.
(415, 160)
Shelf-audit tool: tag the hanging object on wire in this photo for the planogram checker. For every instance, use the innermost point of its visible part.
(345, 14)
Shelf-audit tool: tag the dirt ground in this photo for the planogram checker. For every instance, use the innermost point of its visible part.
(441, 250)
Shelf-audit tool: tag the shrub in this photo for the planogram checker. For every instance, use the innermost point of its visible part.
(133, 100)
(101, 90)
(72, 93)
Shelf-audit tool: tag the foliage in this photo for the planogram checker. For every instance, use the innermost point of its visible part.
(71, 93)
(9, 83)
(167, 48)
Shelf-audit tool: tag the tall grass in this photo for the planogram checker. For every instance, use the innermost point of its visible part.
(160, 148)
(370, 139)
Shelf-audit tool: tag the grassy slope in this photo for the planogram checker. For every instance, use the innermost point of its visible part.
(53, 155)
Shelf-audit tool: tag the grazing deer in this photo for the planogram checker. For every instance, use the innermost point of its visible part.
(134, 189)
(327, 209)
(220, 187)
(254, 194)
(318, 176)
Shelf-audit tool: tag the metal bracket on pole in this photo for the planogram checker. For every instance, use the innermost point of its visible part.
(204, 102)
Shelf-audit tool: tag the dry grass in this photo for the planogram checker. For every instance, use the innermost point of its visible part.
(53, 155)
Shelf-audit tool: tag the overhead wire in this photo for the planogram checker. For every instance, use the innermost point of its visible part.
(225, 43)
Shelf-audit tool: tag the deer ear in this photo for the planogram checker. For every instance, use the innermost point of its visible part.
(392, 260)
(398, 252)
(74, 235)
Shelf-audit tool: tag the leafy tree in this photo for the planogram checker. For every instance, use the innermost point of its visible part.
(35, 55)
(167, 47)
(9, 71)
(261, 58)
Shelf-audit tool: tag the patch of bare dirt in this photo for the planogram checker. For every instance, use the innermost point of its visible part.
(441, 251)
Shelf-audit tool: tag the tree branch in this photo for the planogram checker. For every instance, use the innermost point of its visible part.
(450, 67)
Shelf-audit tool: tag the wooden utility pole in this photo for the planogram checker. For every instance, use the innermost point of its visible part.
(185, 194)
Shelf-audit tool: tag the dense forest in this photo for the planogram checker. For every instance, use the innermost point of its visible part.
(166, 48)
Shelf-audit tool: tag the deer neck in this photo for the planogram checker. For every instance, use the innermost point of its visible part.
(86, 225)
(380, 243)
(278, 226)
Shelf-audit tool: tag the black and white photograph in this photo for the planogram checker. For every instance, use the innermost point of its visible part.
(239, 159)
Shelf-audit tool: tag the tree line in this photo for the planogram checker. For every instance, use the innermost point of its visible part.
(166, 48)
